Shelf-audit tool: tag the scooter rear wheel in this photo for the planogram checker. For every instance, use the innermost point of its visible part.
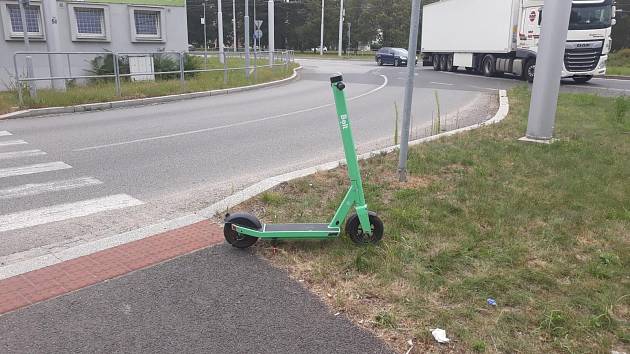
(238, 240)
(354, 230)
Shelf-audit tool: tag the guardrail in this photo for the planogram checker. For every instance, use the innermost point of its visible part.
(280, 58)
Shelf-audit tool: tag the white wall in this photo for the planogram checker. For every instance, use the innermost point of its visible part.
(119, 27)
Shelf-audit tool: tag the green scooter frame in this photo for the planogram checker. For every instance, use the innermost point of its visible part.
(242, 230)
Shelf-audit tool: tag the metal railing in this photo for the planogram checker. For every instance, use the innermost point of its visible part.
(281, 58)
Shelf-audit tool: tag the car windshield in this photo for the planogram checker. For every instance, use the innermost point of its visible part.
(590, 17)
(401, 52)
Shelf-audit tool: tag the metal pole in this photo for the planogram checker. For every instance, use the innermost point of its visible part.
(225, 69)
(246, 23)
(220, 24)
(234, 25)
(29, 60)
(255, 65)
(53, 44)
(411, 68)
(181, 71)
(17, 80)
(205, 40)
(341, 13)
(256, 44)
(549, 63)
(349, 43)
(321, 35)
(272, 43)
(69, 67)
(116, 74)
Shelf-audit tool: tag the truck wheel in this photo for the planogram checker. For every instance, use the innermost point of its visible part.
(379, 61)
(436, 62)
(487, 66)
(396, 62)
(529, 70)
(582, 79)
(449, 63)
(443, 62)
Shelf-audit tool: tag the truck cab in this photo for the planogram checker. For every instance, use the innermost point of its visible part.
(588, 38)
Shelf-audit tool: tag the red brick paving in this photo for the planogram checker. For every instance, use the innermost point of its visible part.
(42, 284)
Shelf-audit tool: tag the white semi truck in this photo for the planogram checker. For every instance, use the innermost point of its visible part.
(493, 37)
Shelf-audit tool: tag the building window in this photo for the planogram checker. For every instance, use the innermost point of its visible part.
(89, 22)
(15, 27)
(148, 23)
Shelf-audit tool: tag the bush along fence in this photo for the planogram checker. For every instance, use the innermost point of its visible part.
(84, 68)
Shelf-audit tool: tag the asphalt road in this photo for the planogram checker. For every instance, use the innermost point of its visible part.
(218, 300)
(90, 175)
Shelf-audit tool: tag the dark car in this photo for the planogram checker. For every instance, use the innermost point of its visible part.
(392, 56)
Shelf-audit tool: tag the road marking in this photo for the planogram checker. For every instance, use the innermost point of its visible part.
(62, 212)
(12, 142)
(41, 188)
(32, 169)
(20, 154)
(160, 137)
(485, 88)
(441, 83)
(4, 133)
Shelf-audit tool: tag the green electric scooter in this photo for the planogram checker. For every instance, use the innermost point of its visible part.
(242, 230)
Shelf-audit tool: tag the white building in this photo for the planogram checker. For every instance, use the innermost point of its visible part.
(87, 26)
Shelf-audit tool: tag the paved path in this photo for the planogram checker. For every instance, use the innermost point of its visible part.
(216, 300)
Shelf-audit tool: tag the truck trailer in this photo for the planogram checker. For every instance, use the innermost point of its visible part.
(493, 37)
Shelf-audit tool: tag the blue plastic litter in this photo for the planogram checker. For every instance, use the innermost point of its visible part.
(492, 302)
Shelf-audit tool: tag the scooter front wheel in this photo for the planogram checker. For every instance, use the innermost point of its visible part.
(354, 230)
(234, 238)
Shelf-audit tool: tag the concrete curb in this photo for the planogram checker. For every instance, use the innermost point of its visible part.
(617, 77)
(28, 260)
(100, 106)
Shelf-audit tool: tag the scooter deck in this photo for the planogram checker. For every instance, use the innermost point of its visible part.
(297, 227)
(303, 231)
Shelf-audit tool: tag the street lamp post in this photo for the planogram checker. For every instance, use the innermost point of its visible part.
(544, 102)
(246, 25)
(205, 39)
(321, 35)
(271, 26)
(341, 13)
(411, 69)
(234, 25)
(29, 60)
(220, 24)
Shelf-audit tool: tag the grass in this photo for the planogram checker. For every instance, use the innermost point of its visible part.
(105, 91)
(619, 63)
(544, 230)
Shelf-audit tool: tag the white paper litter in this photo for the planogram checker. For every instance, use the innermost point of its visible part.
(440, 335)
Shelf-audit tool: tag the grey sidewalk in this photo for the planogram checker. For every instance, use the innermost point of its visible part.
(217, 300)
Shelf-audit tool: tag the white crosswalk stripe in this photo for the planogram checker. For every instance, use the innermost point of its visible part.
(32, 169)
(48, 187)
(4, 133)
(12, 142)
(62, 212)
(20, 154)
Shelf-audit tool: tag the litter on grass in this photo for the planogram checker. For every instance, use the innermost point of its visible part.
(492, 302)
(440, 335)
